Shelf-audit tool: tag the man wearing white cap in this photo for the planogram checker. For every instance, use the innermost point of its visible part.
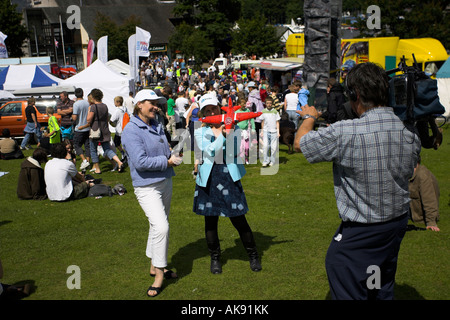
(151, 167)
(218, 190)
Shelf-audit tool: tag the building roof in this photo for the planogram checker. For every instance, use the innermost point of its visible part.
(155, 15)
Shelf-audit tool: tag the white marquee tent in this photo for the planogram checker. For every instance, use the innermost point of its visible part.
(100, 76)
(119, 67)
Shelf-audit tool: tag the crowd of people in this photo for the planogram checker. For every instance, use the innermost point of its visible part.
(147, 126)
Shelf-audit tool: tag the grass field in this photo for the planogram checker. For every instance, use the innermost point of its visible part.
(292, 213)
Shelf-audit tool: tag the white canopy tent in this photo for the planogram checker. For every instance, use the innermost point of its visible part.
(6, 95)
(280, 64)
(100, 76)
(119, 66)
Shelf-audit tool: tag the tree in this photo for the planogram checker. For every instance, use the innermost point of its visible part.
(409, 19)
(276, 12)
(214, 18)
(11, 25)
(117, 34)
(294, 10)
(191, 41)
(255, 37)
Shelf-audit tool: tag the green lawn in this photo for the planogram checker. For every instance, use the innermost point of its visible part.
(292, 213)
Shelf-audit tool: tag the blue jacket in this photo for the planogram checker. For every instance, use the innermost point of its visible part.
(147, 152)
(203, 137)
(303, 96)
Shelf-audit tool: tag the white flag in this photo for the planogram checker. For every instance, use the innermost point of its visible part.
(3, 50)
(142, 42)
(102, 49)
(132, 57)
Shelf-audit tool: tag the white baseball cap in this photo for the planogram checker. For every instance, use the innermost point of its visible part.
(146, 94)
(252, 84)
(208, 99)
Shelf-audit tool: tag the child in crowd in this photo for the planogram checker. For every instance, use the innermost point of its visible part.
(53, 130)
(71, 156)
(117, 121)
(270, 125)
(303, 96)
(277, 99)
(247, 129)
(170, 115)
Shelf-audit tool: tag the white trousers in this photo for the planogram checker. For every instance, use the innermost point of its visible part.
(155, 200)
(270, 143)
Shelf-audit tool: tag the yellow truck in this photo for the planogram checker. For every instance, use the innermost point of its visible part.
(430, 54)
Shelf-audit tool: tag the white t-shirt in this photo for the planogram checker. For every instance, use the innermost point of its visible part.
(291, 101)
(118, 116)
(58, 174)
(181, 104)
(270, 119)
(128, 103)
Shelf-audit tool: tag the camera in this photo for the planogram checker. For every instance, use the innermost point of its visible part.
(414, 97)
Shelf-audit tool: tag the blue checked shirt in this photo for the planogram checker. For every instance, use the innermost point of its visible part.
(373, 159)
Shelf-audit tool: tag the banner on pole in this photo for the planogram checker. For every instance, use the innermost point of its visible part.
(132, 57)
(102, 49)
(3, 50)
(90, 52)
(142, 42)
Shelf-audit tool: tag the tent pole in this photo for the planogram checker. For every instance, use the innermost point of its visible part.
(62, 37)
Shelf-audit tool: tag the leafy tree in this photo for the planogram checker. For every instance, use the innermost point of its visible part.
(410, 19)
(255, 37)
(214, 18)
(191, 41)
(11, 25)
(294, 10)
(276, 12)
(117, 34)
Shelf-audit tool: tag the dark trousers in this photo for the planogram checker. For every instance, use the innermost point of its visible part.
(81, 138)
(349, 261)
(239, 222)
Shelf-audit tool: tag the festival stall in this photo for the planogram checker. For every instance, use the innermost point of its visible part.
(100, 76)
(16, 77)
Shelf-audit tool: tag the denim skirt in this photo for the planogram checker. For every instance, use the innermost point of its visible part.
(222, 196)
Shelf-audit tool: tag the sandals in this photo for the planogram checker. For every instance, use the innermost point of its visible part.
(157, 289)
(168, 275)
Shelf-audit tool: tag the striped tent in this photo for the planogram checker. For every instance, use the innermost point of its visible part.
(15, 77)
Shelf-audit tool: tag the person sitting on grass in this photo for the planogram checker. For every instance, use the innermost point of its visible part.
(71, 156)
(63, 181)
(424, 193)
(31, 183)
(9, 148)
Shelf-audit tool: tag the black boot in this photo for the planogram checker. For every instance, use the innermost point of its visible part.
(214, 251)
(255, 265)
(250, 246)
